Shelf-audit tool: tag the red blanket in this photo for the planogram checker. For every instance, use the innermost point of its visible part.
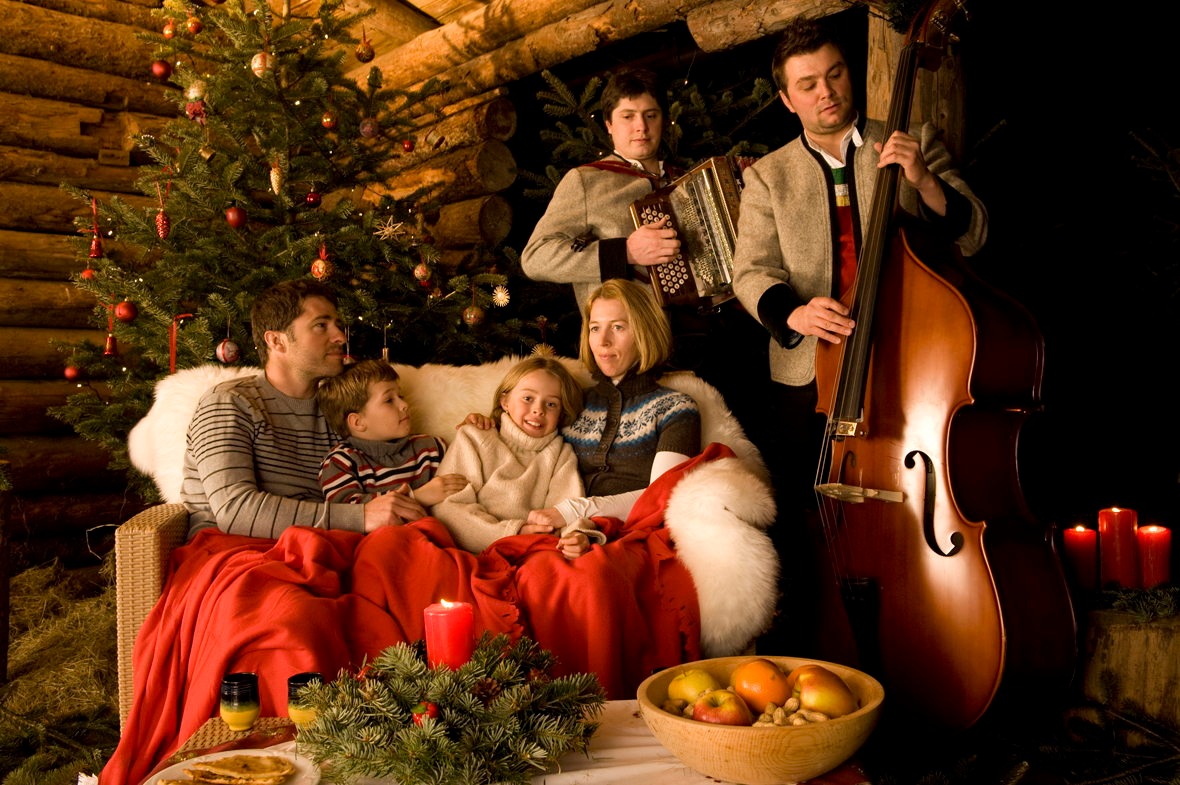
(316, 600)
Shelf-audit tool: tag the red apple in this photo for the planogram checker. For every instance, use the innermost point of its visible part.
(722, 707)
(819, 689)
(691, 683)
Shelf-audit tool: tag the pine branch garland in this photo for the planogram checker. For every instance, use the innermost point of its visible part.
(482, 736)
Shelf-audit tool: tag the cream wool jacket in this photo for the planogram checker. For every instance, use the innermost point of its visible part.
(509, 473)
(786, 230)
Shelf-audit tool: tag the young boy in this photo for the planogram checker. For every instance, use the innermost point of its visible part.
(363, 405)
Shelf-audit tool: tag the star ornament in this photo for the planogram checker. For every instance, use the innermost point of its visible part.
(390, 229)
(500, 296)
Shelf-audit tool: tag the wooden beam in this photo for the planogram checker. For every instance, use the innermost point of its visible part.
(46, 208)
(24, 405)
(477, 32)
(38, 255)
(56, 257)
(24, 303)
(32, 353)
(39, 78)
(723, 25)
(122, 12)
(466, 173)
(21, 165)
(575, 35)
(106, 47)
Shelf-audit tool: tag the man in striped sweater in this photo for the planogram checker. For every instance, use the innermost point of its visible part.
(254, 445)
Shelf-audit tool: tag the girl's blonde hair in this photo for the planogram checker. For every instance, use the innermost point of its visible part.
(649, 323)
(571, 390)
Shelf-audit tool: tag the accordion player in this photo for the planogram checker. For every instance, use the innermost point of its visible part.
(703, 207)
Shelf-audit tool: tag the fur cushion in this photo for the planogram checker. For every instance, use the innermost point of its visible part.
(718, 514)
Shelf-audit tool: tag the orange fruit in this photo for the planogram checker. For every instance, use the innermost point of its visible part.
(759, 682)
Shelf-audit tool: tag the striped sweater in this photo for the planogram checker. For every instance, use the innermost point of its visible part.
(252, 461)
(359, 469)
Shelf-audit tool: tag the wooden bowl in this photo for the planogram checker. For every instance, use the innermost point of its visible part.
(761, 755)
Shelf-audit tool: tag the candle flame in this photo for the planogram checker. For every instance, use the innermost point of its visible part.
(1152, 528)
(448, 603)
(1079, 528)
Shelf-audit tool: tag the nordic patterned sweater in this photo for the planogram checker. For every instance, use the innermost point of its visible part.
(623, 426)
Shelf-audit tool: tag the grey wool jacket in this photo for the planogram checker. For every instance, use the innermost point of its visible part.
(787, 231)
(582, 237)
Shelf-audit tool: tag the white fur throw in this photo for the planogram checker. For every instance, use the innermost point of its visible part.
(717, 514)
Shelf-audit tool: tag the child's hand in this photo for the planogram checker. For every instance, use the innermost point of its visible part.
(573, 545)
(481, 421)
(439, 488)
(536, 528)
(549, 517)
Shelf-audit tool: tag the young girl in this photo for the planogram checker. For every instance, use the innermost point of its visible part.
(379, 454)
(522, 466)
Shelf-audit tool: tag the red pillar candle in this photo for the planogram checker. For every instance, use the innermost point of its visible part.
(1118, 551)
(1155, 555)
(450, 633)
(1081, 550)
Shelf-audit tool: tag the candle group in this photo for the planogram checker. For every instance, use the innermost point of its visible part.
(450, 633)
(1120, 554)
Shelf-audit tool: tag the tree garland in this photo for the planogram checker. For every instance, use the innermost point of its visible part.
(501, 718)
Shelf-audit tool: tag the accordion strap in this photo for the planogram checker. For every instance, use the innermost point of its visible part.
(621, 167)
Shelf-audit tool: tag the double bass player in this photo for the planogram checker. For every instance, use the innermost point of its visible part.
(804, 210)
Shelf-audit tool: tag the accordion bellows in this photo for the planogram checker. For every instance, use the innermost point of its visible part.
(703, 207)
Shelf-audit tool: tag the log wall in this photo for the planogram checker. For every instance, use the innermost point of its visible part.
(74, 84)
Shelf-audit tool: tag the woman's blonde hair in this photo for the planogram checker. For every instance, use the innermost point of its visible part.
(571, 390)
(649, 323)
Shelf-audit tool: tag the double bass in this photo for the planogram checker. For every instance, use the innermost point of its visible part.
(948, 584)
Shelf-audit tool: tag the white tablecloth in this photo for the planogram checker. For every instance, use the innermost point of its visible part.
(622, 752)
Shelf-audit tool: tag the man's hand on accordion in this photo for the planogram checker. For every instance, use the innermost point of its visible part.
(653, 244)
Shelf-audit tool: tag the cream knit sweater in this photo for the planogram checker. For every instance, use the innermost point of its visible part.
(509, 473)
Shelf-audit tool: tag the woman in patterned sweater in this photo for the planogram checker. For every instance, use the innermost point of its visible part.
(631, 429)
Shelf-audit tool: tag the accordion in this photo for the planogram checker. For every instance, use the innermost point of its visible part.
(703, 208)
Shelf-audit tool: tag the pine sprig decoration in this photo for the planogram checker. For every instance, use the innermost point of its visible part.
(364, 723)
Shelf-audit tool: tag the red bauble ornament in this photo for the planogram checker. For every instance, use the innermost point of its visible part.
(163, 225)
(194, 25)
(126, 311)
(88, 274)
(422, 271)
(364, 50)
(329, 119)
(161, 69)
(408, 145)
(228, 352)
(321, 269)
(370, 127)
(72, 373)
(313, 198)
(236, 216)
(169, 29)
(473, 315)
(262, 63)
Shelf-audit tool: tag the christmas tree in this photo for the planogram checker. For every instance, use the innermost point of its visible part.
(272, 170)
